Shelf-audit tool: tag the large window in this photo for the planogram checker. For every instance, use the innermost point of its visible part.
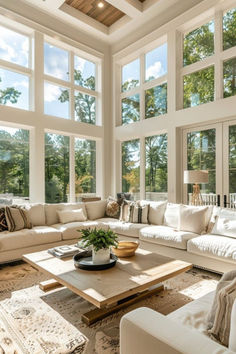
(229, 77)
(229, 24)
(81, 84)
(131, 168)
(201, 155)
(156, 167)
(56, 168)
(144, 86)
(85, 167)
(16, 74)
(14, 165)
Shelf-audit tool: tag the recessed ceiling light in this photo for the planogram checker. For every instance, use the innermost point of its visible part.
(100, 4)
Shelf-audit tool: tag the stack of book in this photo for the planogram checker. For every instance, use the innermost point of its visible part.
(65, 251)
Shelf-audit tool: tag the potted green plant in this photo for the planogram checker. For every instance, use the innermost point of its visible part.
(100, 241)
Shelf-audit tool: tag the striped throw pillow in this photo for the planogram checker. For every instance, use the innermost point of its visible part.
(3, 221)
(137, 213)
(17, 219)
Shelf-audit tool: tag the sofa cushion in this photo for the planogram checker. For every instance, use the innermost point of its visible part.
(96, 210)
(36, 214)
(225, 224)
(66, 216)
(51, 211)
(213, 246)
(193, 219)
(171, 216)
(70, 231)
(156, 212)
(38, 235)
(193, 314)
(17, 219)
(166, 236)
(122, 228)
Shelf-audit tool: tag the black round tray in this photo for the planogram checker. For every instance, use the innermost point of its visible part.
(83, 260)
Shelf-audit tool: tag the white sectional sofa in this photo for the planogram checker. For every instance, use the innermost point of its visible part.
(212, 251)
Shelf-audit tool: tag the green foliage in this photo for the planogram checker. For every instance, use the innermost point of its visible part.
(199, 87)
(9, 95)
(14, 162)
(128, 85)
(229, 25)
(99, 239)
(156, 163)
(130, 109)
(230, 77)
(199, 44)
(156, 101)
(130, 166)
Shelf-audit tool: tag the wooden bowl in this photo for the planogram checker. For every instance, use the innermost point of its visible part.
(125, 248)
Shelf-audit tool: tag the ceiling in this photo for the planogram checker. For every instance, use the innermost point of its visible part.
(112, 23)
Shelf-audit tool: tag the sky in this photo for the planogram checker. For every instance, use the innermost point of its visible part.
(155, 65)
(14, 48)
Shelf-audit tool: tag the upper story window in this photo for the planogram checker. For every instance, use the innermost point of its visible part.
(130, 75)
(198, 44)
(56, 62)
(229, 25)
(156, 63)
(70, 85)
(15, 68)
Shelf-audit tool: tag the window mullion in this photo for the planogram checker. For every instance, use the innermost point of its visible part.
(72, 170)
(72, 91)
(38, 73)
(142, 92)
(218, 60)
(142, 168)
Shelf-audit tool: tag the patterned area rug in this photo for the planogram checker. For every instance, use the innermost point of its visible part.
(32, 321)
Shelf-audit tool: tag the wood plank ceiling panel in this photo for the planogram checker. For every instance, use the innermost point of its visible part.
(107, 14)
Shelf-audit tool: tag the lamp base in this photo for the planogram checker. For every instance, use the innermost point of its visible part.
(196, 196)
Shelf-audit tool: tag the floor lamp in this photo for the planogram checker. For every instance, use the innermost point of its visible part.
(196, 177)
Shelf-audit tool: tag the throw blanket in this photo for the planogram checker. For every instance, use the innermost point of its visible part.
(224, 303)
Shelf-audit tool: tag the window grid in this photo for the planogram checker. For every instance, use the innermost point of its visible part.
(143, 84)
(72, 86)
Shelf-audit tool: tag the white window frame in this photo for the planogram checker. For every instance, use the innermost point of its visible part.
(71, 86)
(19, 69)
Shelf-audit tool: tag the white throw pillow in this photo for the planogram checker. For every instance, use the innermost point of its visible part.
(66, 216)
(96, 210)
(232, 336)
(171, 216)
(156, 211)
(193, 219)
(225, 224)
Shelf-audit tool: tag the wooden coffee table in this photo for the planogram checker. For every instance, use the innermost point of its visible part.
(131, 280)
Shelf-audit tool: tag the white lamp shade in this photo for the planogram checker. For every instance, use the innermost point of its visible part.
(195, 176)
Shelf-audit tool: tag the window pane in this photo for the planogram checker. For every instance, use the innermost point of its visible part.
(130, 75)
(232, 159)
(201, 155)
(130, 109)
(56, 62)
(14, 47)
(131, 168)
(199, 44)
(56, 100)
(156, 101)
(85, 167)
(84, 73)
(230, 77)
(14, 89)
(229, 25)
(56, 168)
(156, 167)
(199, 87)
(156, 63)
(14, 165)
(85, 108)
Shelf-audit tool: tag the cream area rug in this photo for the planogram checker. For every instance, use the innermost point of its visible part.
(35, 322)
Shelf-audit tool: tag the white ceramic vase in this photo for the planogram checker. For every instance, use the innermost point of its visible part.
(102, 256)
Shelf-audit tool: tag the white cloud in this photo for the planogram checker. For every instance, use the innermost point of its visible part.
(51, 93)
(23, 83)
(155, 70)
(79, 64)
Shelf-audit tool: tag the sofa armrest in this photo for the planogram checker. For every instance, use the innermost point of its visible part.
(147, 331)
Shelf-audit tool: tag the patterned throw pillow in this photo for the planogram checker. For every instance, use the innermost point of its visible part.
(133, 212)
(124, 210)
(112, 209)
(17, 219)
(3, 220)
